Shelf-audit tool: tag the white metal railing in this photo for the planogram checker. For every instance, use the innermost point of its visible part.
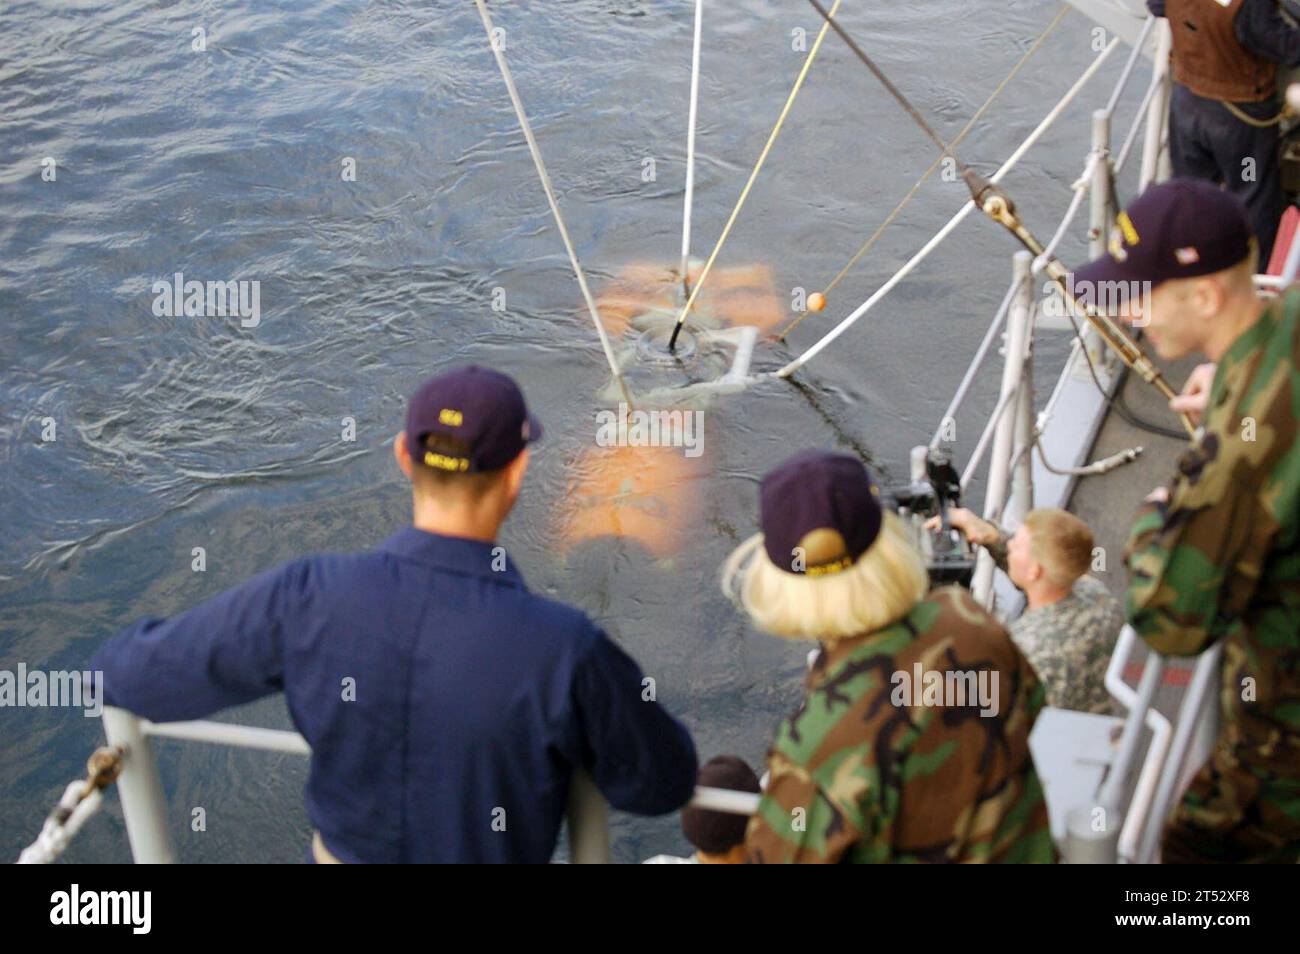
(1156, 166)
(144, 809)
(1195, 732)
(1096, 180)
(1174, 752)
(1167, 766)
(1011, 429)
(1009, 471)
(1138, 705)
(1115, 825)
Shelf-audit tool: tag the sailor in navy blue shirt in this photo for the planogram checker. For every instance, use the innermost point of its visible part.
(1226, 56)
(446, 706)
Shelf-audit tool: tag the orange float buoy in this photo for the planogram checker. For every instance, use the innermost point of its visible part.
(816, 301)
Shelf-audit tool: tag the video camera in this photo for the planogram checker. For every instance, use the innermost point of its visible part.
(935, 487)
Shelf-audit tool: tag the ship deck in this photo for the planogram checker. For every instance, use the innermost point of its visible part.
(1107, 502)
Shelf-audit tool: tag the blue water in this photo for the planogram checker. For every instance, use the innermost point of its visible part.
(225, 164)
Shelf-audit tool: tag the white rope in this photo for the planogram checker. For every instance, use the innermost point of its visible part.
(1129, 66)
(73, 811)
(981, 352)
(726, 800)
(977, 455)
(956, 220)
(690, 142)
(1076, 345)
(1138, 121)
(1082, 186)
(546, 184)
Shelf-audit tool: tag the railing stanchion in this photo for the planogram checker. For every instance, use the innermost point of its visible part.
(1015, 349)
(1095, 829)
(1155, 154)
(1190, 727)
(1100, 220)
(1022, 476)
(139, 789)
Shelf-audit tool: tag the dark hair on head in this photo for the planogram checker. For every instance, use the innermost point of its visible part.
(716, 833)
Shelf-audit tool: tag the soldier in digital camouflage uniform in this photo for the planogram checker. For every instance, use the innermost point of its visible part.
(912, 742)
(1071, 622)
(1216, 554)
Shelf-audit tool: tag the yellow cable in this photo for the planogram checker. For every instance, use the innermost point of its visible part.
(776, 130)
(1250, 120)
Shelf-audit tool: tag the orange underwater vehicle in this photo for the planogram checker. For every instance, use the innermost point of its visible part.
(637, 486)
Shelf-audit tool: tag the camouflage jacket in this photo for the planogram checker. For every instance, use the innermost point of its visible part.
(873, 767)
(1069, 642)
(1221, 560)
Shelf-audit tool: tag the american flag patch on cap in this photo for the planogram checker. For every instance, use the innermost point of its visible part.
(1187, 256)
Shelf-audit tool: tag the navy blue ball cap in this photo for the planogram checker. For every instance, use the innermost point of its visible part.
(480, 411)
(820, 511)
(1182, 228)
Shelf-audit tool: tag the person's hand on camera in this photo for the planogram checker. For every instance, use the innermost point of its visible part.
(977, 531)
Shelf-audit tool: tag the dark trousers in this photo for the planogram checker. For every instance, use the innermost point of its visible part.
(1208, 142)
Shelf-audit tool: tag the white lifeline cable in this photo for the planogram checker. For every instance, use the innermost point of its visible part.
(690, 141)
(76, 809)
(550, 192)
(956, 220)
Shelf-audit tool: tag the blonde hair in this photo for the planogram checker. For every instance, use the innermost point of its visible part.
(1061, 542)
(876, 591)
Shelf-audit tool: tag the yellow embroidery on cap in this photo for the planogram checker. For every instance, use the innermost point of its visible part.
(443, 462)
(449, 416)
(826, 569)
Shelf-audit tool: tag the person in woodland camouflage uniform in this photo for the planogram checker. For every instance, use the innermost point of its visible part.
(912, 741)
(1215, 555)
(1071, 622)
